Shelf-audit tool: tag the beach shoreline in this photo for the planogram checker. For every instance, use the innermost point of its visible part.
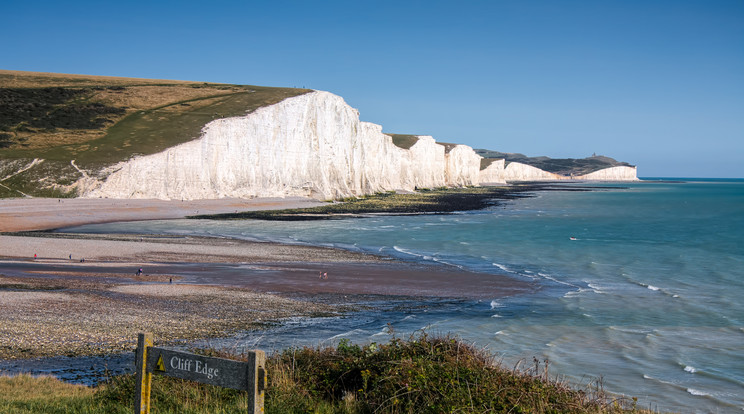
(30, 214)
(81, 294)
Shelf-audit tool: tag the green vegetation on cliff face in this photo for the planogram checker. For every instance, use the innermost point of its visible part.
(562, 166)
(98, 121)
(421, 375)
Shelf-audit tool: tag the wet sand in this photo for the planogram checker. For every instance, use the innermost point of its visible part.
(21, 214)
(263, 267)
(191, 288)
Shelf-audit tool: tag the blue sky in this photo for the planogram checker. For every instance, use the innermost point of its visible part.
(655, 83)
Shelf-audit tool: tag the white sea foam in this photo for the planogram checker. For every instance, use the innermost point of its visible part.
(697, 392)
(579, 292)
(654, 288)
(630, 330)
(406, 251)
(345, 334)
(502, 267)
(495, 304)
(549, 277)
(496, 315)
(596, 289)
(690, 369)
(648, 377)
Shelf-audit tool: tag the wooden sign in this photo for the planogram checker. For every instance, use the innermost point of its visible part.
(247, 376)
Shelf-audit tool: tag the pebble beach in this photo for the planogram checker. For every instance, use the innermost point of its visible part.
(74, 294)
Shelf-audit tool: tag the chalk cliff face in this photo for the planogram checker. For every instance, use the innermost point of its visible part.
(620, 173)
(462, 166)
(516, 171)
(493, 174)
(417, 162)
(310, 145)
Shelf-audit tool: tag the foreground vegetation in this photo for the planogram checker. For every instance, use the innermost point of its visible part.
(421, 375)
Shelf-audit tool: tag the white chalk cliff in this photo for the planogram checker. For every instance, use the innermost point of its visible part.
(310, 145)
(620, 173)
(493, 173)
(517, 171)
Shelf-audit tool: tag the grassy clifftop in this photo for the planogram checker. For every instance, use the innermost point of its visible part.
(98, 121)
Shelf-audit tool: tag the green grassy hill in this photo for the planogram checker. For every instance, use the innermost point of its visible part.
(98, 121)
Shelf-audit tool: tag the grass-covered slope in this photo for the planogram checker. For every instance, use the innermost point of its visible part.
(98, 121)
(404, 141)
(562, 166)
(421, 375)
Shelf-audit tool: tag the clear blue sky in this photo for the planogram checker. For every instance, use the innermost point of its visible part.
(655, 83)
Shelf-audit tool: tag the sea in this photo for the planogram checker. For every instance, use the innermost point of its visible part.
(641, 285)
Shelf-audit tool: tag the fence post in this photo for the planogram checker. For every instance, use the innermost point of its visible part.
(143, 378)
(256, 367)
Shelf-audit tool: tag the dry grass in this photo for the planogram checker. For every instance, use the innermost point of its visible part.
(132, 95)
(23, 79)
(24, 387)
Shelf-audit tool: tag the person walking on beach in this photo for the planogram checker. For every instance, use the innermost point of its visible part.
(139, 271)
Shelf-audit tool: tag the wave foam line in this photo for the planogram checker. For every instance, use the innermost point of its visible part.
(551, 278)
(345, 334)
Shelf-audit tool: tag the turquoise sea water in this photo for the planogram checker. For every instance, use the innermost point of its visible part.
(648, 296)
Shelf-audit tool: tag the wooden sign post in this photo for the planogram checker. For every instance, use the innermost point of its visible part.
(247, 376)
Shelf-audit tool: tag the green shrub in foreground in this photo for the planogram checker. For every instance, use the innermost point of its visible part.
(421, 375)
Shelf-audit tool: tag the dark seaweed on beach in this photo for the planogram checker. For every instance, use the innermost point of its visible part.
(426, 201)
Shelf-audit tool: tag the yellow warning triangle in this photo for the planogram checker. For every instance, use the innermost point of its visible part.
(160, 366)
